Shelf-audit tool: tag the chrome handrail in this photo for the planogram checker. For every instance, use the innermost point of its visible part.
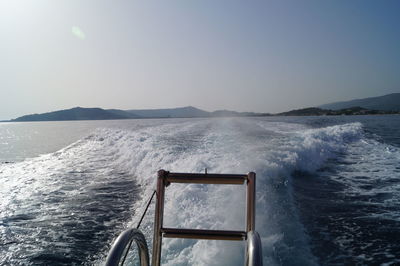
(122, 242)
(254, 249)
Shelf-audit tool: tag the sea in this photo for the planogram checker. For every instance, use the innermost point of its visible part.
(327, 188)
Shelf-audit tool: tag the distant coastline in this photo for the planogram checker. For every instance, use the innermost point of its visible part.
(387, 104)
(80, 113)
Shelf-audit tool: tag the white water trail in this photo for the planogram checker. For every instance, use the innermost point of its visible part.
(229, 146)
(236, 145)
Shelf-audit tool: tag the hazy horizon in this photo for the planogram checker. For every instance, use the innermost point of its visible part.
(176, 107)
(261, 57)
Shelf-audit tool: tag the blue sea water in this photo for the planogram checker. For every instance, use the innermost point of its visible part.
(328, 188)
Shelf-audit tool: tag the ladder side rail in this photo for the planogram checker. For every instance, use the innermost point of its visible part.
(158, 218)
(253, 250)
(251, 201)
(123, 242)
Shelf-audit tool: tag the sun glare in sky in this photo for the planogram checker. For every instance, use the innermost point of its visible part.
(77, 32)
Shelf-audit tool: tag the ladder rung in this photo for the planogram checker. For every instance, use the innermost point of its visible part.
(203, 234)
(206, 178)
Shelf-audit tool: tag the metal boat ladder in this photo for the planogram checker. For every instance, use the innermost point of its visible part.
(165, 178)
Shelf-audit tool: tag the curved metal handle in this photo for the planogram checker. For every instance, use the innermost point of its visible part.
(254, 249)
(122, 242)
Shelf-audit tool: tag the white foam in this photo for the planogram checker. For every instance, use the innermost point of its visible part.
(229, 146)
(372, 171)
(221, 146)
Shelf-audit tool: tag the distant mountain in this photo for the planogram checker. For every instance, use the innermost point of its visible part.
(224, 113)
(389, 102)
(122, 113)
(228, 113)
(314, 111)
(188, 111)
(305, 112)
(77, 113)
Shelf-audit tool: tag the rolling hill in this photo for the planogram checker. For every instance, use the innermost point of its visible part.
(389, 102)
(188, 111)
(77, 113)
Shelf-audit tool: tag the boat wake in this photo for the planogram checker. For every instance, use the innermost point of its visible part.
(66, 207)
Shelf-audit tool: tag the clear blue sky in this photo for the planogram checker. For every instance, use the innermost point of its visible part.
(264, 56)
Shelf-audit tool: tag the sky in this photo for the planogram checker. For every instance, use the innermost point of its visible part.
(262, 56)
